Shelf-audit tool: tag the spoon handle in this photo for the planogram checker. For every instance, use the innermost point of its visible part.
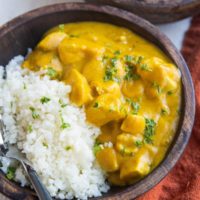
(40, 189)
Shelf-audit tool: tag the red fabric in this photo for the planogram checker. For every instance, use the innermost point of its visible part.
(183, 182)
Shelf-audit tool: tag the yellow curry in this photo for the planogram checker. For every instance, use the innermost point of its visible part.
(128, 87)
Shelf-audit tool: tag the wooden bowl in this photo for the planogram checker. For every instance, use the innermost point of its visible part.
(157, 11)
(26, 30)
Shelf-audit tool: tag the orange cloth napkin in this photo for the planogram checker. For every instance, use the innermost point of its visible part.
(183, 182)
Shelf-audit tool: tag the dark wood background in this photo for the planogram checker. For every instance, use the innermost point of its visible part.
(157, 11)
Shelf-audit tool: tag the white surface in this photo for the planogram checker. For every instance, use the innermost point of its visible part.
(176, 30)
(11, 8)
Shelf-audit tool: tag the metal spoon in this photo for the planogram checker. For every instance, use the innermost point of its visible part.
(13, 152)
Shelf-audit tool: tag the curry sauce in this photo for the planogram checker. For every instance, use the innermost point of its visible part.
(128, 87)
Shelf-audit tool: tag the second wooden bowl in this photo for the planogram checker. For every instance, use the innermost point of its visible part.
(26, 30)
(157, 11)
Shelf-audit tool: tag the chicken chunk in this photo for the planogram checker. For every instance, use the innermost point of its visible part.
(104, 109)
(136, 167)
(81, 93)
(107, 159)
(51, 41)
(134, 124)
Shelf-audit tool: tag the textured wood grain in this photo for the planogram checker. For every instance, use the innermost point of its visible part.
(157, 11)
(26, 30)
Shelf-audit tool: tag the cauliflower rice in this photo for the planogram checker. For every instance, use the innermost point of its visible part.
(52, 132)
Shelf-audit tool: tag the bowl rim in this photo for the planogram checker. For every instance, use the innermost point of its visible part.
(188, 96)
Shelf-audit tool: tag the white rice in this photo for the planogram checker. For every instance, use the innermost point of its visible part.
(63, 158)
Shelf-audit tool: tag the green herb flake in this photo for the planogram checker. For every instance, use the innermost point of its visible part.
(62, 104)
(145, 67)
(110, 74)
(96, 148)
(45, 144)
(122, 151)
(128, 58)
(111, 71)
(149, 130)
(65, 125)
(61, 27)
(163, 112)
(44, 100)
(24, 86)
(35, 115)
(157, 87)
(67, 148)
(139, 60)
(123, 109)
(117, 53)
(51, 72)
(113, 61)
(134, 105)
(96, 105)
(73, 36)
(1, 164)
(29, 128)
(170, 92)
(130, 74)
(10, 173)
(138, 143)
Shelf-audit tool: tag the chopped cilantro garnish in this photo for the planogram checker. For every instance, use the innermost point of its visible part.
(29, 128)
(96, 148)
(62, 104)
(61, 27)
(110, 74)
(73, 35)
(149, 130)
(67, 148)
(111, 71)
(122, 151)
(134, 105)
(45, 144)
(139, 60)
(170, 92)
(157, 87)
(123, 109)
(51, 72)
(44, 100)
(10, 173)
(128, 58)
(65, 125)
(138, 143)
(24, 86)
(113, 62)
(164, 112)
(116, 53)
(130, 74)
(96, 105)
(35, 115)
(145, 67)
